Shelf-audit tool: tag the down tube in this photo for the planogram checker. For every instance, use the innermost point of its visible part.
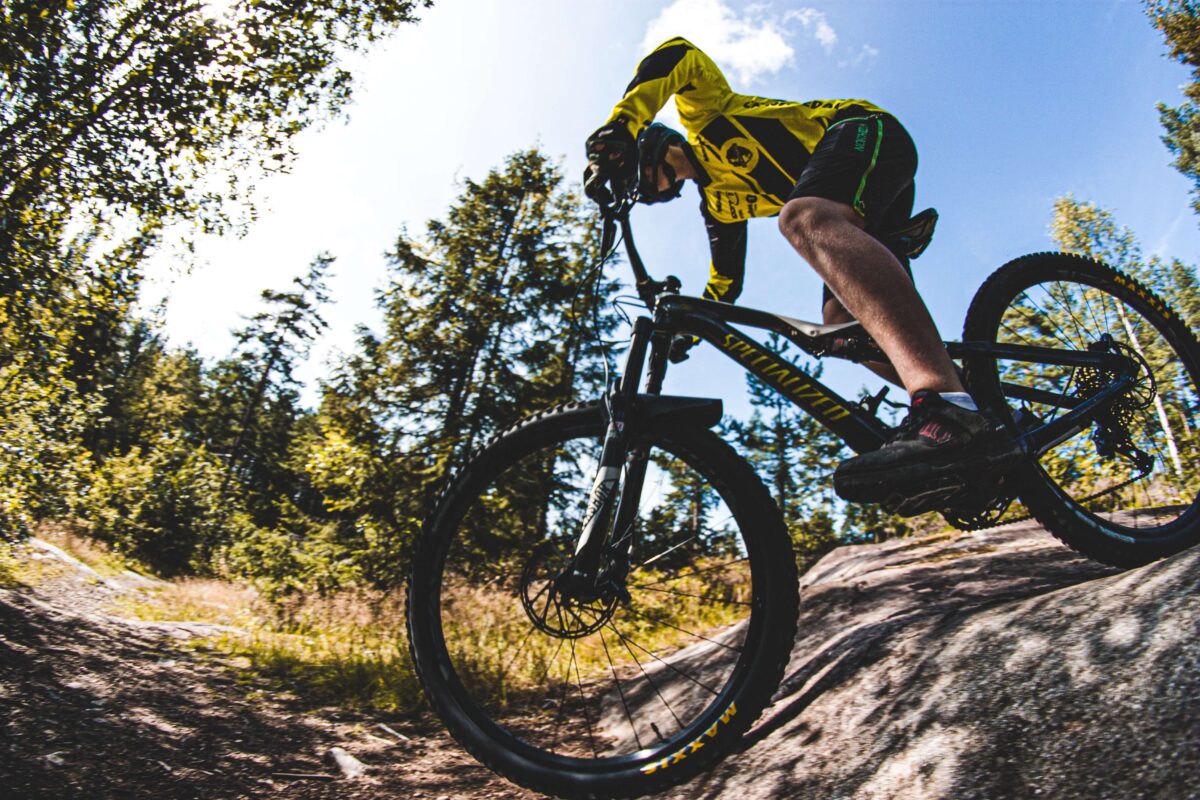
(860, 430)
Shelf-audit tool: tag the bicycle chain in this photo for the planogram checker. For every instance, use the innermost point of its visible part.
(978, 524)
(1120, 411)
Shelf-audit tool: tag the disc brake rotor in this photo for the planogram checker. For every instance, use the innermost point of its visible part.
(552, 610)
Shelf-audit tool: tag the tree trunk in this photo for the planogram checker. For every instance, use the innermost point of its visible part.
(1158, 403)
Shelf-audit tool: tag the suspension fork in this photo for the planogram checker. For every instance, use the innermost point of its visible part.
(637, 461)
(606, 512)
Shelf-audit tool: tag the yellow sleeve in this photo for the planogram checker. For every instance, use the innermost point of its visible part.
(676, 67)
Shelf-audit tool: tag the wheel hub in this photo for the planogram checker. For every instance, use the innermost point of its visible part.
(559, 602)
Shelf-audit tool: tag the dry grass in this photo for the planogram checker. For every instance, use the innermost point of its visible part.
(346, 649)
(489, 637)
(351, 648)
(24, 564)
(199, 600)
(96, 554)
(10, 566)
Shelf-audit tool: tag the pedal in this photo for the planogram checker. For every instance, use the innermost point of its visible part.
(977, 509)
(931, 499)
(680, 346)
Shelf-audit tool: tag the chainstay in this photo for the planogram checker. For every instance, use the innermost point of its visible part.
(1089, 498)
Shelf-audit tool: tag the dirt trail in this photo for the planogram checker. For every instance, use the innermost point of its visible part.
(96, 706)
(988, 666)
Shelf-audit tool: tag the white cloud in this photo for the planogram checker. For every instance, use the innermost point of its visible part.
(748, 45)
(864, 56)
(748, 42)
(814, 21)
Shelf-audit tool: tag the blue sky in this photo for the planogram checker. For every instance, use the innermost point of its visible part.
(1011, 105)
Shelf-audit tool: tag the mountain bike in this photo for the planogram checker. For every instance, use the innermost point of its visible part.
(604, 598)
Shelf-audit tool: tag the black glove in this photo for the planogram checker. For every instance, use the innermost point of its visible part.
(613, 150)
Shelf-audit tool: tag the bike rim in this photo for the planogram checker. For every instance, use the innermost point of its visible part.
(601, 686)
(1137, 471)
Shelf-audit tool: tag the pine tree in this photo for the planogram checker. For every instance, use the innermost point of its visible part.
(494, 314)
(795, 456)
(1179, 21)
(489, 317)
(254, 393)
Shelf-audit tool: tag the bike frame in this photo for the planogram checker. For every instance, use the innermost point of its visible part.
(854, 423)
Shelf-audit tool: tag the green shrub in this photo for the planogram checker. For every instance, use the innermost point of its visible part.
(166, 506)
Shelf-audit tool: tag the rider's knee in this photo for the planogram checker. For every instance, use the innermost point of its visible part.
(802, 219)
(795, 218)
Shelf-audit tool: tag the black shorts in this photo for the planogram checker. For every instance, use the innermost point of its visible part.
(868, 162)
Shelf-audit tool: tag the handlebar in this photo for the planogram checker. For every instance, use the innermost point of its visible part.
(616, 197)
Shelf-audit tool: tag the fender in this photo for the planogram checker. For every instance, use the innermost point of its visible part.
(700, 411)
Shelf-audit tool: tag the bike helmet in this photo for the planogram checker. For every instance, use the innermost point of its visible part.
(652, 144)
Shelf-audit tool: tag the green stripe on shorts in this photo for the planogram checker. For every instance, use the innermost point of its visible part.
(862, 184)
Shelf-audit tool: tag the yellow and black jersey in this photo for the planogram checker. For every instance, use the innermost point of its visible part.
(750, 150)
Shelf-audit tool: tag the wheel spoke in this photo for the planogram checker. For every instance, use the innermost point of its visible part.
(664, 553)
(689, 574)
(664, 662)
(649, 680)
(697, 596)
(640, 615)
(587, 718)
(620, 690)
(582, 673)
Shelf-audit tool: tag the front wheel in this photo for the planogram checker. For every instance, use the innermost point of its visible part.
(621, 691)
(1124, 489)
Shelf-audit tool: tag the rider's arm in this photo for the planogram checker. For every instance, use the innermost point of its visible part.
(677, 68)
(727, 243)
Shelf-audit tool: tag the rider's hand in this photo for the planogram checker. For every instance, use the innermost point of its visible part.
(612, 150)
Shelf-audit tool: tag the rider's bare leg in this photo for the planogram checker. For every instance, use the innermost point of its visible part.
(834, 313)
(872, 285)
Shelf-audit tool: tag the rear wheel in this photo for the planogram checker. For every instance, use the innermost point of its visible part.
(617, 693)
(1124, 490)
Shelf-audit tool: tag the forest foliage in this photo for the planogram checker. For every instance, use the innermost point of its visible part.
(1179, 21)
(118, 119)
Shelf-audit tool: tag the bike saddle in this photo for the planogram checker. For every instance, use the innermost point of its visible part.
(911, 238)
(846, 340)
(816, 330)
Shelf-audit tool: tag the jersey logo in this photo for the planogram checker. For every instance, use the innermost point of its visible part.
(740, 153)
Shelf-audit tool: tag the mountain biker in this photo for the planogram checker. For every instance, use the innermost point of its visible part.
(835, 172)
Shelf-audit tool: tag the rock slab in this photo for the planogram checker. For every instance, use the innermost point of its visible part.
(979, 666)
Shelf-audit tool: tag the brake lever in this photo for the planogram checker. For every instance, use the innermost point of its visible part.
(595, 186)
